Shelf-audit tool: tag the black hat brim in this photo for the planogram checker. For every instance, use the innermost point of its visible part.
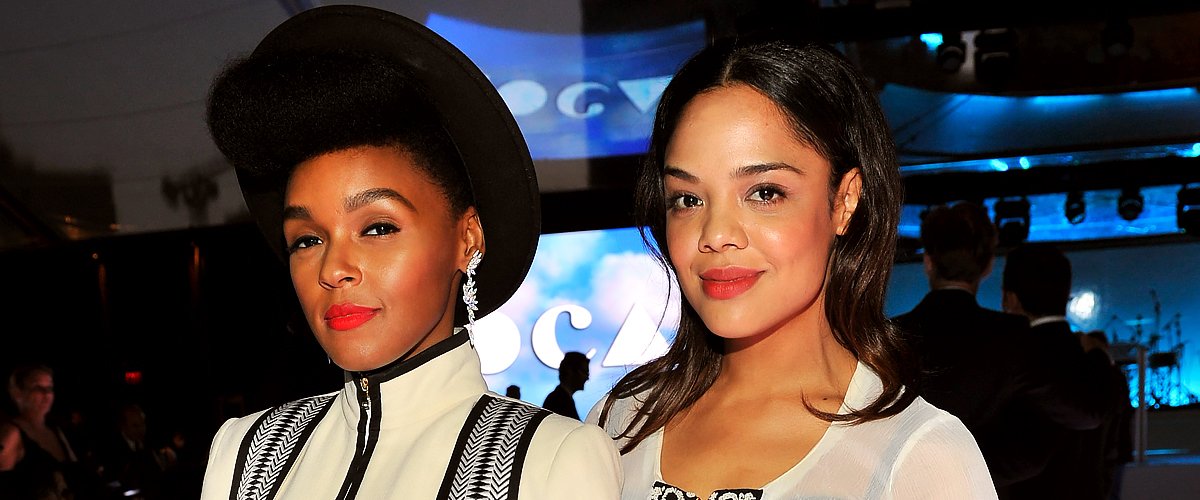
(492, 148)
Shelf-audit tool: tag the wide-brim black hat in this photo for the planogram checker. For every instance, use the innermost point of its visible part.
(472, 112)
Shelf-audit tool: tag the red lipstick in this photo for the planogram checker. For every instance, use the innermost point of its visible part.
(343, 317)
(728, 282)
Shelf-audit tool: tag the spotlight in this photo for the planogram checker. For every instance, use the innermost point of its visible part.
(1129, 205)
(951, 52)
(1187, 211)
(1012, 221)
(995, 56)
(1075, 209)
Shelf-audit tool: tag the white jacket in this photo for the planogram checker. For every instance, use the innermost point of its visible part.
(405, 428)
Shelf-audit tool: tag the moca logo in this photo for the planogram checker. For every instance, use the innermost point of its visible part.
(526, 97)
(498, 340)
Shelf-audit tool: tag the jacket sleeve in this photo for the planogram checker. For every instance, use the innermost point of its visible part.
(218, 474)
(585, 466)
(223, 456)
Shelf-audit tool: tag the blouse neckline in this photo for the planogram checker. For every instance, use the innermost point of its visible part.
(864, 387)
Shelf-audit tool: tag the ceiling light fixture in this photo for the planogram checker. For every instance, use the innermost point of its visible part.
(1012, 221)
(995, 56)
(951, 53)
(1130, 203)
(1117, 38)
(1075, 209)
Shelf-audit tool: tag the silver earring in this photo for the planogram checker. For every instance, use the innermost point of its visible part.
(469, 292)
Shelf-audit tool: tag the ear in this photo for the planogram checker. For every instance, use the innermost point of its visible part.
(928, 265)
(470, 231)
(846, 201)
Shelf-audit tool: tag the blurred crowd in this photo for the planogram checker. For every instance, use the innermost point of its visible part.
(49, 455)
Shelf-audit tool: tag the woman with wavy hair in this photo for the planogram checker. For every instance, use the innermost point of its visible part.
(771, 193)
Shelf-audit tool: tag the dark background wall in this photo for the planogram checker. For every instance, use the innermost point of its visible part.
(204, 316)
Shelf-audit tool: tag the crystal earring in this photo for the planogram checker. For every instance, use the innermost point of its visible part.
(469, 292)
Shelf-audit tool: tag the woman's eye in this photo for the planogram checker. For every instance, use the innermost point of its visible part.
(302, 243)
(380, 229)
(685, 201)
(765, 194)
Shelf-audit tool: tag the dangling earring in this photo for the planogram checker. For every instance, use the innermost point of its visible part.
(469, 292)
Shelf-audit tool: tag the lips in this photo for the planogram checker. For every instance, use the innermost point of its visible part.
(728, 282)
(343, 317)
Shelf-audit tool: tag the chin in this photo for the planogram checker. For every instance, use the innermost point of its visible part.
(731, 324)
(359, 364)
(737, 335)
(349, 366)
(353, 359)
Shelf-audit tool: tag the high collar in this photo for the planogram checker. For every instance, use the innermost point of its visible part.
(418, 387)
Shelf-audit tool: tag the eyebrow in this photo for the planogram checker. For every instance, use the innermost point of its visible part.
(762, 168)
(680, 174)
(745, 171)
(353, 203)
(370, 196)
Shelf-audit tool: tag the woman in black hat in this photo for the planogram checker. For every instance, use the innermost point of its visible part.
(388, 173)
(772, 195)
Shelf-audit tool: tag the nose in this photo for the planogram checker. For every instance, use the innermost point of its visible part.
(339, 266)
(721, 230)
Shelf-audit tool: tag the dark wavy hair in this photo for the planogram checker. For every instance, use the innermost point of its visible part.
(833, 109)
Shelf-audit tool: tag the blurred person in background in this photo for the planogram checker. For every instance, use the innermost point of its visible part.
(573, 373)
(48, 467)
(1037, 285)
(985, 366)
(1115, 441)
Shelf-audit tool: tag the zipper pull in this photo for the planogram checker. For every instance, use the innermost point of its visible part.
(364, 384)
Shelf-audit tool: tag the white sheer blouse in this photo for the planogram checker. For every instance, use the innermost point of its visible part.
(920, 453)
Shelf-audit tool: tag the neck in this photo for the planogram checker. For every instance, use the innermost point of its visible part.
(941, 284)
(31, 421)
(799, 357)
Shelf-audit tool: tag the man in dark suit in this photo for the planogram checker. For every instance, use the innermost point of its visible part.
(1114, 438)
(1037, 285)
(979, 364)
(131, 467)
(573, 372)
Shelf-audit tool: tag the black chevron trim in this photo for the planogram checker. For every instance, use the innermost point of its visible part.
(486, 463)
(270, 449)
